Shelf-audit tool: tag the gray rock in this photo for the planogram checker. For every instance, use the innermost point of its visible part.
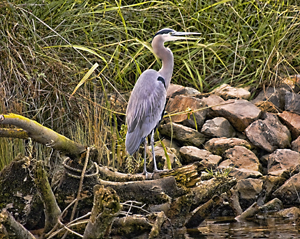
(288, 193)
(274, 95)
(243, 162)
(181, 103)
(240, 113)
(271, 206)
(190, 154)
(219, 145)
(296, 145)
(268, 134)
(228, 92)
(292, 102)
(212, 101)
(218, 127)
(182, 134)
(161, 157)
(249, 188)
(282, 161)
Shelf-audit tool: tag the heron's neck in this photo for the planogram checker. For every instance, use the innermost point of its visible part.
(166, 56)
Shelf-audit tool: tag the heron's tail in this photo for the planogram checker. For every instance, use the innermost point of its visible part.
(133, 142)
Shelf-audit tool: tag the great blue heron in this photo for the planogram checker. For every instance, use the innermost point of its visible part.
(147, 101)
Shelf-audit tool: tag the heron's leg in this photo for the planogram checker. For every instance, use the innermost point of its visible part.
(153, 153)
(145, 157)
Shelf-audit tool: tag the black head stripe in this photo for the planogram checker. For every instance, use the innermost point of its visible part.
(164, 31)
(162, 80)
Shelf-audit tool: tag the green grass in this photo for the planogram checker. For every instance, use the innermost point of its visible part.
(47, 47)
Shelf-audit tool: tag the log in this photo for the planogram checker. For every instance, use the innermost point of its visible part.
(148, 191)
(14, 228)
(105, 208)
(248, 213)
(199, 214)
(42, 134)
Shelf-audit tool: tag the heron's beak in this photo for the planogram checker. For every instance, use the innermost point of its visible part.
(183, 35)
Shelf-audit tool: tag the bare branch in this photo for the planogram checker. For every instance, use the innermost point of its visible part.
(41, 134)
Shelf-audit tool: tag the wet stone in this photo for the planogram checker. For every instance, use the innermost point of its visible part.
(288, 193)
(282, 160)
(269, 133)
(249, 188)
(228, 92)
(218, 127)
(220, 145)
(240, 113)
(181, 103)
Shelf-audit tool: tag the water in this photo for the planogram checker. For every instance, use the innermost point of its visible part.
(228, 228)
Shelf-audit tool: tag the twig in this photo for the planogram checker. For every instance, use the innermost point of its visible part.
(79, 188)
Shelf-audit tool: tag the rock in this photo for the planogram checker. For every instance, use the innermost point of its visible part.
(211, 101)
(190, 154)
(268, 134)
(249, 188)
(271, 206)
(275, 96)
(292, 102)
(219, 145)
(296, 145)
(228, 92)
(182, 134)
(240, 113)
(174, 90)
(181, 103)
(291, 83)
(288, 193)
(292, 213)
(160, 157)
(282, 160)
(292, 121)
(218, 127)
(243, 162)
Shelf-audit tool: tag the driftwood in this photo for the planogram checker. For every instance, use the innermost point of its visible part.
(172, 200)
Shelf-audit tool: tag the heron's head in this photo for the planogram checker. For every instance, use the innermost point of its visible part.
(168, 34)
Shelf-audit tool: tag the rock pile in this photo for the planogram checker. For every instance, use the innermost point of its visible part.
(258, 140)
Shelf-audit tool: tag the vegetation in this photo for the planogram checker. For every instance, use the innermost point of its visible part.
(47, 47)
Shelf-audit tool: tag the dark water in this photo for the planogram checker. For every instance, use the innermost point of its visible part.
(264, 228)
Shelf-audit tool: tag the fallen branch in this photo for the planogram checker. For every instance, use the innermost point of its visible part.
(199, 214)
(52, 210)
(40, 134)
(14, 228)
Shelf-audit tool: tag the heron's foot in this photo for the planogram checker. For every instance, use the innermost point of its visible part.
(147, 175)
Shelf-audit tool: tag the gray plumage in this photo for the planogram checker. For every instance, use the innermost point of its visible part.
(148, 97)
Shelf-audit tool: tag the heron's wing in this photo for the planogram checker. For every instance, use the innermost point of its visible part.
(145, 107)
